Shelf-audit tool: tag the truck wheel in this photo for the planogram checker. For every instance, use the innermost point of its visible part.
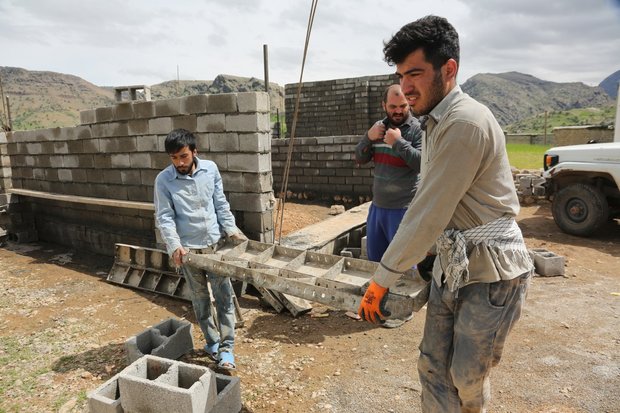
(580, 209)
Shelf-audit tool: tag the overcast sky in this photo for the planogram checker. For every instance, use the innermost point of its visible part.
(120, 42)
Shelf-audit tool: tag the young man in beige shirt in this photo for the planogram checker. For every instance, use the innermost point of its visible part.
(465, 205)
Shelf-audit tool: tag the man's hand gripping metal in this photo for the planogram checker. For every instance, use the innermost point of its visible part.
(372, 308)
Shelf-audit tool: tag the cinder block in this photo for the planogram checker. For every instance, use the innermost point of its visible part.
(255, 142)
(147, 143)
(249, 162)
(223, 142)
(167, 107)
(160, 126)
(140, 160)
(65, 175)
(123, 111)
(185, 122)
(211, 123)
(106, 398)
(546, 263)
(104, 130)
(194, 104)
(143, 110)
(228, 399)
(169, 339)
(253, 102)
(138, 127)
(364, 250)
(87, 117)
(251, 202)
(157, 385)
(222, 103)
(248, 122)
(105, 114)
(120, 160)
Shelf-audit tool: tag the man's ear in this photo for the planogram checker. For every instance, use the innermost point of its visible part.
(450, 69)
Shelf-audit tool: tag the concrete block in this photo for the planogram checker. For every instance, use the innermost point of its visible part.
(87, 117)
(222, 103)
(250, 202)
(104, 130)
(143, 110)
(364, 250)
(140, 160)
(223, 142)
(122, 111)
(154, 384)
(546, 263)
(255, 142)
(254, 122)
(130, 176)
(120, 160)
(211, 123)
(167, 107)
(105, 114)
(185, 122)
(194, 104)
(160, 126)
(242, 162)
(253, 102)
(228, 399)
(147, 143)
(138, 127)
(169, 339)
(106, 398)
(65, 175)
(90, 146)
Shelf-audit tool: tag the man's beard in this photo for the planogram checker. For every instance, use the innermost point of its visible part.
(188, 167)
(435, 95)
(399, 121)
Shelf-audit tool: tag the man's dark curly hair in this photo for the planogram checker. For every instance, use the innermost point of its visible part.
(433, 34)
(179, 139)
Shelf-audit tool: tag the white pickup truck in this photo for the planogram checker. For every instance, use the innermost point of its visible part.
(583, 182)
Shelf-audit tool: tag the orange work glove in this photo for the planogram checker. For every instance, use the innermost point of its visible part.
(372, 303)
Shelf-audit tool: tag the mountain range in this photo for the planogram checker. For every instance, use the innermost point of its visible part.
(40, 99)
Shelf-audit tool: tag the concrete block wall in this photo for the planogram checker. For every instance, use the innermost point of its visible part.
(336, 107)
(323, 167)
(117, 152)
(577, 135)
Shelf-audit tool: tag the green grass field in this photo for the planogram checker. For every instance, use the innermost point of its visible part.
(524, 156)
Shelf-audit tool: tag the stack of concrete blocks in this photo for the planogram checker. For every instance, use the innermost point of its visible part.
(157, 385)
(5, 184)
(323, 167)
(336, 107)
(530, 184)
(117, 152)
(547, 263)
(16, 219)
(169, 339)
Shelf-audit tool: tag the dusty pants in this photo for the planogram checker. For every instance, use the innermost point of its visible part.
(464, 336)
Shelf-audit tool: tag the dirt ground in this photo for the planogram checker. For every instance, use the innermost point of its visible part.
(62, 329)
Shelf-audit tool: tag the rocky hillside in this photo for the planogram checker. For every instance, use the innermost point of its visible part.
(49, 99)
(221, 84)
(514, 96)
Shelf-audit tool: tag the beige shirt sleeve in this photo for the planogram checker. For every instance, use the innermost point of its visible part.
(452, 165)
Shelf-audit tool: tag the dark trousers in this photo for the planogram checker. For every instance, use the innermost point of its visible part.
(464, 336)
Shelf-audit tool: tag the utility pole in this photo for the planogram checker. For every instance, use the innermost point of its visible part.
(266, 66)
(178, 81)
(546, 114)
(3, 104)
(8, 114)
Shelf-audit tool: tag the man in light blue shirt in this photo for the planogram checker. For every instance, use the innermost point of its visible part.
(192, 214)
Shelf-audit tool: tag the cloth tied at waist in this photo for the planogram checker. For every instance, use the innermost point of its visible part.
(502, 233)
